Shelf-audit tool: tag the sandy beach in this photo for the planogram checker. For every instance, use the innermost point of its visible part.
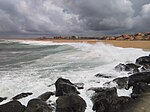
(124, 44)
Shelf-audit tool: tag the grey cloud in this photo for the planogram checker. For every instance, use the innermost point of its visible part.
(81, 17)
(40, 16)
(142, 21)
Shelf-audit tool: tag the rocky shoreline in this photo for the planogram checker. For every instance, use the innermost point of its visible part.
(104, 99)
(129, 37)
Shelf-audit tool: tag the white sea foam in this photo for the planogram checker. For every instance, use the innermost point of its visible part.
(79, 65)
(34, 42)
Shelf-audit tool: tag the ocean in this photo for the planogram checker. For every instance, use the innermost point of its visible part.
(31, 66)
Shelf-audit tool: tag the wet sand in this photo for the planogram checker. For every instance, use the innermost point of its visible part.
(124, 44)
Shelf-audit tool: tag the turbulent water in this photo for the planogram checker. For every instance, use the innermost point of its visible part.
(31, 66)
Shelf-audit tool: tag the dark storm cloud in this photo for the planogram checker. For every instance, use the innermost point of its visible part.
(102, 15)
(35, 16)
(81, 17)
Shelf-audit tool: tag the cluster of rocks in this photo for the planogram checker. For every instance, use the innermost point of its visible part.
(107, 100)
(137, 36)
(141, 64)
(104, 99)
(139, 78)
(68, 100)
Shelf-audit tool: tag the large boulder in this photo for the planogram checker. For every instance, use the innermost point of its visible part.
(107, 100)
(12, 106)
(139, 77)
(64, 87)
(37, 105)
(73, 103)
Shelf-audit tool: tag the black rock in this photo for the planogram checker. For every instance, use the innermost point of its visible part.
(143, 59)
(2, 98)
(105, 91)
(65, 87)
(146, 67)
(37, 105)
(140, 89)
(12, 106)
(139, 77)
(145, 62)
(133, 71)
(122, 82)
(122, 67)
(132, 66)
(22, 95)
(45, 96)
(73, 103)
(107, 100)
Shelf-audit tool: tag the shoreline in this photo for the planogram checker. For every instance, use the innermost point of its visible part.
(125, 44)
(143, 44)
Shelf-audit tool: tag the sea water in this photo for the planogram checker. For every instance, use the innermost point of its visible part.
(31, 66)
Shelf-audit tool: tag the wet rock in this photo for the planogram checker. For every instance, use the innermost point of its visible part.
(122, 67)
(132, 66)
(144, 61)
(105, 91)
(2, 98)
(65, 87)
(133, 71)
(73, 103)
(127, 67)
(12, 106)
(102, 75)
(140, 89)
(22, 95)
(107, 100)
(45, 96)
(146, 67)
(122, 82)
(139, 77)
(37, 105)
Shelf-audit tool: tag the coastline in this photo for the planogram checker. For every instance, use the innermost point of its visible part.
(125, 44)
(143, 44)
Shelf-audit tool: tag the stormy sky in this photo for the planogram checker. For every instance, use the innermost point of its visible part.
(74, 17)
